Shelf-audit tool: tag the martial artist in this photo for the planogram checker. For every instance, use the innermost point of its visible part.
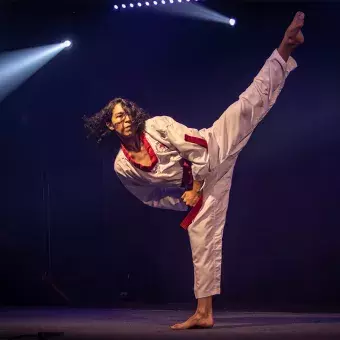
(170, 166)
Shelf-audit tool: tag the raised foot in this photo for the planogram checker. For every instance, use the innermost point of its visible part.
(197, 321)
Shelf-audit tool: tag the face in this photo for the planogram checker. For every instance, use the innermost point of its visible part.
(121, 122)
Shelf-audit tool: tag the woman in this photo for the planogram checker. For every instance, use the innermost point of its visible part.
(168, 165)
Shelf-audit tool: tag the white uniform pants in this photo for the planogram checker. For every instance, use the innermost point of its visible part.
(206, 230)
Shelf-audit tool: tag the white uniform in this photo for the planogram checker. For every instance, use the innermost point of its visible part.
(180, 154)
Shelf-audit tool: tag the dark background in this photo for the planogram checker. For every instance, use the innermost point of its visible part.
(282, 239)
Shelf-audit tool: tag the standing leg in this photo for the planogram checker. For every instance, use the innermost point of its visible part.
(206, 234)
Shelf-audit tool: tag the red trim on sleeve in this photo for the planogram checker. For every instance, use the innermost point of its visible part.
(148, 147)
(192, 214)
(196, 140)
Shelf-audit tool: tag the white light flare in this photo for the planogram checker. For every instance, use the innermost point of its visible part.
(232, 22)
(67, 43)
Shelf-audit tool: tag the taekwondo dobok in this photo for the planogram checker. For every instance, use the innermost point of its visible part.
(180, 155)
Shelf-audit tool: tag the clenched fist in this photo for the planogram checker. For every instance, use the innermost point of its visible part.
(191, 197)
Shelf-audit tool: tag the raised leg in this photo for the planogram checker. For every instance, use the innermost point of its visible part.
(231, 132)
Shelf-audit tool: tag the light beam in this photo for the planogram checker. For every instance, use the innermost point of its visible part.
(191, 10)
(17, 66)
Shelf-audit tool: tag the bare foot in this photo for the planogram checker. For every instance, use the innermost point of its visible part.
(196, 321)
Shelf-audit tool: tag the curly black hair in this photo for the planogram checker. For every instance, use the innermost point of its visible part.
(96, 124)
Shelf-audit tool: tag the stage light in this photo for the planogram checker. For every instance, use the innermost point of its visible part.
(193, 10)
(67, 43)
(139, 3)
(186, 8)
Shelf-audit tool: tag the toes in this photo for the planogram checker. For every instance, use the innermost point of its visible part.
(300, 16)
(192, 325)
(299, 19)
(178, 326)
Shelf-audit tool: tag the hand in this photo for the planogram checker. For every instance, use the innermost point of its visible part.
(191, 197)
(293, 36)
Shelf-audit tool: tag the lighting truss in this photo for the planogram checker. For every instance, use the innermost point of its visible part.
(135, 4)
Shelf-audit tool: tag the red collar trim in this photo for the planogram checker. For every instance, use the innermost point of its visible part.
(153, 157)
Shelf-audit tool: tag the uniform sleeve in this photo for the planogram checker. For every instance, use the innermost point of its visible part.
(190, 144)
(240, 119)
(153, 196)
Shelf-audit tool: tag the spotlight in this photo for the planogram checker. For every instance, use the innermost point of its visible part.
(67, 43)
(147, 3)
(115, 7)
(155, 3)
(123, 6)
(232, 22)
(171, 1)
(163, 2)
(132, 5)
(139, 4)
(179, 0)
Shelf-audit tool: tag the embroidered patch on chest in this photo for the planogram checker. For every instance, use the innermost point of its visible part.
(161, 147)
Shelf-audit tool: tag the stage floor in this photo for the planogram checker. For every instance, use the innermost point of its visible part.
(154, 324)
